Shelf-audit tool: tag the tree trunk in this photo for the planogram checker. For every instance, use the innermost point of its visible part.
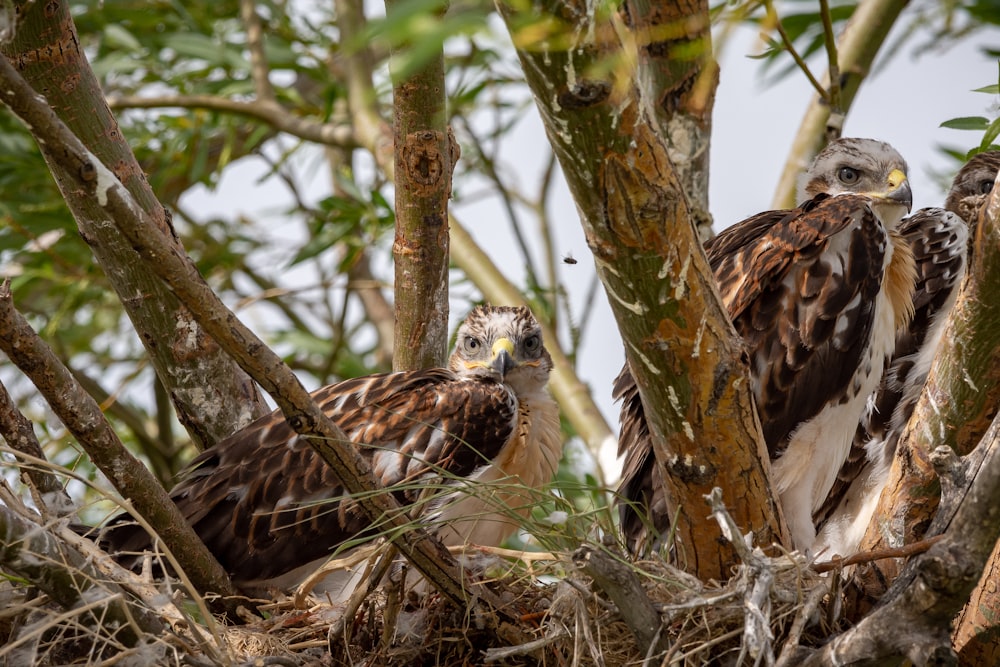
(637, 218)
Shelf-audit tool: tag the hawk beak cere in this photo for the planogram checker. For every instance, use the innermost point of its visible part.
(503, 356)
(899, 189)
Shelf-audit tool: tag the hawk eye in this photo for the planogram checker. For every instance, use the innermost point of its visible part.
(848, 175)
(985, 187)
(472, 344)
(532, 343)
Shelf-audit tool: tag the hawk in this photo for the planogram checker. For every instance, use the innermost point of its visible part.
(816, 293)
(939, 240)
(484, 430)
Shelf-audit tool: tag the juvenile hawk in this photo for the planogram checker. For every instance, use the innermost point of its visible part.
(817, 293)
(485, 428)
(939, 239)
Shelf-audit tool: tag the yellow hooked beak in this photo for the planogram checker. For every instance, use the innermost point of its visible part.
(899, 189)
(503, 356)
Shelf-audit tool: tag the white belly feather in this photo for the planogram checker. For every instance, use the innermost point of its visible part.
(807, 470)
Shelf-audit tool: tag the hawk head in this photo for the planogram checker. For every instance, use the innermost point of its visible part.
(972, 184)
(865, 167)
(503, 343)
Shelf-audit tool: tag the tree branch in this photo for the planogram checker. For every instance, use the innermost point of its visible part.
(835, 123)
(619, 582)
(370, 129)
(259, 69)
(426, 153)
(164, 462)
(773, 17)
(19, 433)
(83, 418)
(272, 113)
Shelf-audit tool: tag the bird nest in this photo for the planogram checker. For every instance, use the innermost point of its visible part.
(584, 607)
(553, 612)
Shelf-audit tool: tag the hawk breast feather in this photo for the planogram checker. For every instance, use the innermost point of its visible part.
(263, 489)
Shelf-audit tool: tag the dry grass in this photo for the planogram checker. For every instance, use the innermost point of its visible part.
(554, 614)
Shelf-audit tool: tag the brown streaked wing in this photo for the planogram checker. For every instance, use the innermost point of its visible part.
(803, 306)
(642, 496)
(265, 503)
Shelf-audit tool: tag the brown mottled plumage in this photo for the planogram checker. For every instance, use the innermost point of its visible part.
(816, 292)
(271, 510)
(938, 238)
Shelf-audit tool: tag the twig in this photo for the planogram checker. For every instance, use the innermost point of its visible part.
(272, 113)
(255, 44)
(802, 617)
(835, 123)
(498, 654)
(619, 582)
(859, 44)
(759, 575)
(878, 554)
(19, 433)
(790, 47)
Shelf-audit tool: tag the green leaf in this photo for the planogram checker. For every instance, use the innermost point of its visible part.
(992, 90)
(117, 37)
(991, 133)
(193, 45)
(967, 123)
